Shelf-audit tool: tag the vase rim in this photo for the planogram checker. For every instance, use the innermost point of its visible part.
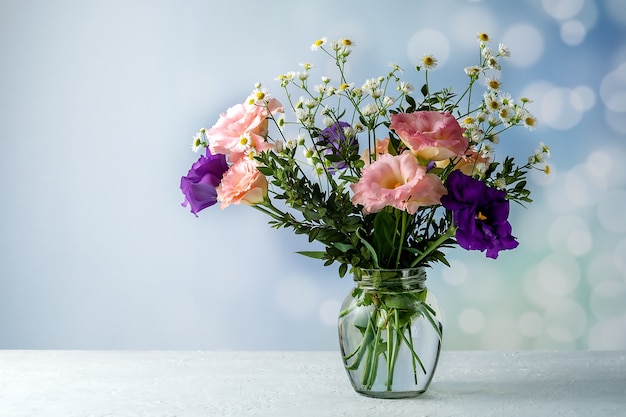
(401, 279)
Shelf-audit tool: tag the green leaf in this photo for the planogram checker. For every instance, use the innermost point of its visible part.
(313, 254)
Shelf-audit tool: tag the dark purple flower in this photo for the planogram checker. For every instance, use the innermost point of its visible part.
(338, 145)
(199, 184)
(480, 214)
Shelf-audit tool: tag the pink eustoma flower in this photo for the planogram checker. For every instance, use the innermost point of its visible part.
(430, 135)
(241, 128)
(242, 184)
(397, 181)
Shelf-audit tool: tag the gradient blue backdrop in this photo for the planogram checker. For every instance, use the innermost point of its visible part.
(99, 101)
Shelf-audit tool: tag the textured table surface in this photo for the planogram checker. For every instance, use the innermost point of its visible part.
(223, 384)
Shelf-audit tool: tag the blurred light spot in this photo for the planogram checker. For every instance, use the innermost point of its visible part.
(608, 334)
(607, 299)
(583, 98)
(531, 324)
(501, 332)
(428, 41)
(566, 320)
(613, 89)
(471, 321)
(535, 293)
(526, 44)
(573, 32)
(558, 275)
(579, 242)
(456, 274)
(329, 311)
(600, 268)
(562, 9)
(619, 257)
(578, 190)
(599, 164)
(610, 211)
(470, 21)
(560, 108)
(570, 233)
(616, 10)
(297, 296)
(588, 15)
(616, 121)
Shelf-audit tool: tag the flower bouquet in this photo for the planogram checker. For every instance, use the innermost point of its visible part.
(386, 179)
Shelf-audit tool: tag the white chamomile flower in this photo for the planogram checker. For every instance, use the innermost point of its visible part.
(259, 95)
(492, 103)
(359, 127)
(318, 44)
(482, 37)
(528, 120)
(291, 143)
(406, 88)
(504, 51)
(493, 83)
(500, 183)
(429, 61)
(472, 71)
(371, 85)
(487, 150)
(506, 114)
(388, 101)
(370, 109)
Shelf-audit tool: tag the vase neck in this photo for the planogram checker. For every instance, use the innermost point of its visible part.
(391, 280)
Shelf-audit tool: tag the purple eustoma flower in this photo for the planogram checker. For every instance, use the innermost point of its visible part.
(201, 180)
(480, 214)
(338, 144)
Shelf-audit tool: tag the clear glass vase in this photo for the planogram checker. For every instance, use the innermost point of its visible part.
(390, 333)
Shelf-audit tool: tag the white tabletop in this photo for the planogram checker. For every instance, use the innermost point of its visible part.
(223, 384)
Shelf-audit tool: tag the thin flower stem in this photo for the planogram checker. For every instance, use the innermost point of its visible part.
(434, 245)
(402, 237)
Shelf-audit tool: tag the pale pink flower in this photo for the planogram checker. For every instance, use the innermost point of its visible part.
(398, 181)
(469, 164)
(431, 135)
(242, 128)
(382, 147)
(242, 184)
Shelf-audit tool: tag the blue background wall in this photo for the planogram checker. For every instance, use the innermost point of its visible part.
(98, 104)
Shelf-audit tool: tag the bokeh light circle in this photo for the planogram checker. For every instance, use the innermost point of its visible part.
(471, 321)
(531, 324)
(565, 320)
(428, 41)
(610, 211)
(562, 9)
(526, 44)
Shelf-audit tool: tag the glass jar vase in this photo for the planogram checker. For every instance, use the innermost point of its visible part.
(390, 333)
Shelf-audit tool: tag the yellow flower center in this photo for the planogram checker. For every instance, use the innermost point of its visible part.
(530, 121)
(260, 95)
(480, 216)
(343, 86)
(428, 61)
(483, 37)
(243, 141)
(319, 42)
(346, 42)
(495, 84)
